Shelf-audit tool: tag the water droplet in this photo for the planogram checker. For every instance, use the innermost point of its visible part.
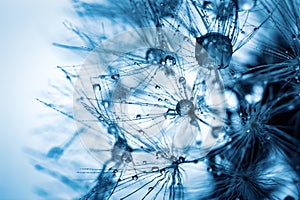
(246, 5)
(182, 80)
(144, 162)
(155, 56)
(115, 77)
(170, 61)
(215, 45)
(159, 155)
(112, 129)
(198, 142)
(291, 107)
(105, 104)
(135, 177)
(150, 189)
(157, 87)
(96, 87)
(181, 159)
(162, 171)
(209, 169)
(138, 116)
(185, 107)
(154, 169)
(289, 198)
(217, 131)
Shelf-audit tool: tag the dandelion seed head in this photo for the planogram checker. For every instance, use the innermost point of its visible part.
(151, 106)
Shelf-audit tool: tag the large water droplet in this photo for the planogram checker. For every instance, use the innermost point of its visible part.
(185, 107)
(216, 46)
(155, 56)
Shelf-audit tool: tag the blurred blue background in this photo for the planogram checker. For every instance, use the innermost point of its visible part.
(27, 62)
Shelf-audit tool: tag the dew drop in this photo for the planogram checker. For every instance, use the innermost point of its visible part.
(155, 56)
(162, 171)
(181, 159)
(215, 45)
(182, 80)
(170, 61)
(115, 77)
(289, 198)
(96, 87)
(209, 169)
(159, 155)
(105, 104)
(157, 87)
(138, 116)
(246, 5)
(135, 177)
(291, 107)
(150, 189)
(185, 107)
(154, 169)
(144, 162)
(112, 129)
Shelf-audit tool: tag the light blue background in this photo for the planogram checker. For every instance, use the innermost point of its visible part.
(28, 27)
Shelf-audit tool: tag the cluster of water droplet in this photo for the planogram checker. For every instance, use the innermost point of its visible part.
(157, 107)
